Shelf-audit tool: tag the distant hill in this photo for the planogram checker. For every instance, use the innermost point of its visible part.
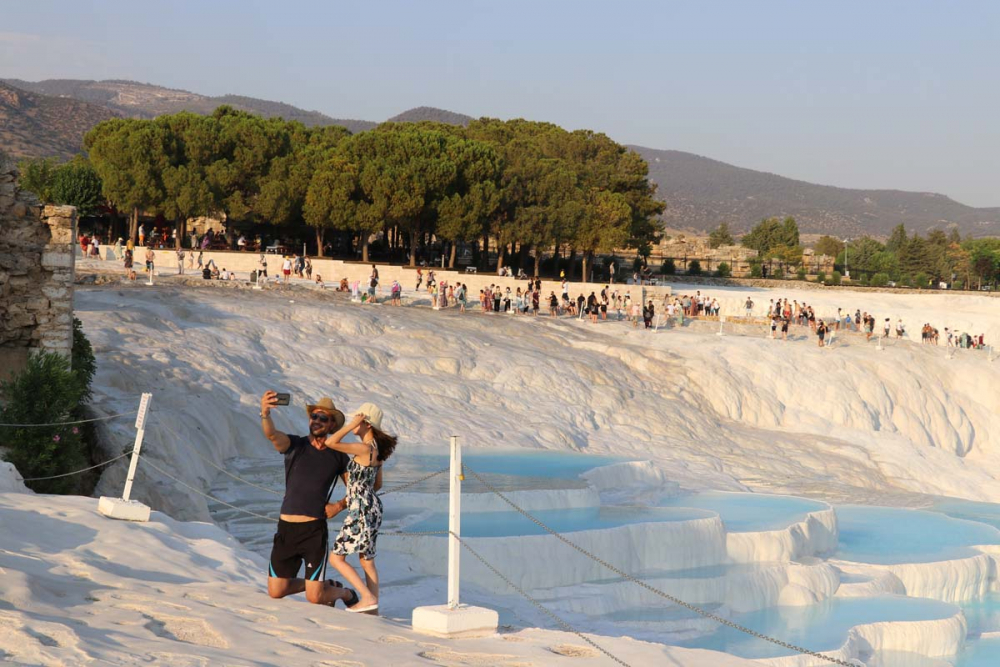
(39, 125)
(701, 193)
(143, 100)
(430, 113)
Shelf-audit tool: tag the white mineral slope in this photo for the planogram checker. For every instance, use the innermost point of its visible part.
(80, 589)
(732, 412)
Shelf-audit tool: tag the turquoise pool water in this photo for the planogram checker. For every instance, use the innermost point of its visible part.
(983, 615)
(888, 536)
(819, 627)
(749, 512)
(980, 653)
(550, 464)
(988, 513)
(510, 524)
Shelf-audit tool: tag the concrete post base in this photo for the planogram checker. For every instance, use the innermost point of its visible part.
(462, 622)
(125, 510)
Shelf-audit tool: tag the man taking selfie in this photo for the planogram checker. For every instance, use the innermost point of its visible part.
(311, 470)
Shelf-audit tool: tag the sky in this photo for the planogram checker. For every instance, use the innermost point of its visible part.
(886, 94)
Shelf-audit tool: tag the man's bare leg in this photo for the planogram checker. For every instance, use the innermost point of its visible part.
(317, 592)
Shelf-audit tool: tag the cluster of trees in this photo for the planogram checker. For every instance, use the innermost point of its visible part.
(919, 261)
(906, 259)
(74, 182)
(527, 186)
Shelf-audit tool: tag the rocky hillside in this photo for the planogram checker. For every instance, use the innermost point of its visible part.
(701, 193)
(39, 125)
(143, 100)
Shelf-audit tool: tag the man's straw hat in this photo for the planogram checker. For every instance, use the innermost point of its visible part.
(372, 414)
(326, 405)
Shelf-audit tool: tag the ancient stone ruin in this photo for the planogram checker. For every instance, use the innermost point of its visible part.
(36, 275)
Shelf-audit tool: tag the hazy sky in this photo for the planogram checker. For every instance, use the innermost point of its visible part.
(859, 94)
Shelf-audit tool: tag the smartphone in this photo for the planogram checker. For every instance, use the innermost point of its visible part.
(283, 399)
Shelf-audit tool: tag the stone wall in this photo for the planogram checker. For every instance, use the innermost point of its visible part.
(36, 275)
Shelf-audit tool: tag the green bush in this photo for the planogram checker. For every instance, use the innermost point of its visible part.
(821, 277)
(694, 268)
(755, 271)
(84, 363)
(921, 280)
(801, 273)
(880, 280)
(723, 271)
(45, 391)
(835, 278)
(778, 274)
(669, 268)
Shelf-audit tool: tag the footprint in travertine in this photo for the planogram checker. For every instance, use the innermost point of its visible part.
(448, 658)
(394, 639)
(178, 660)
(571, 651)
(319, 647)
(189, 630)
(256, 615)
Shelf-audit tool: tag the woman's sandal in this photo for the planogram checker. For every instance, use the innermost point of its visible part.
(370, 609)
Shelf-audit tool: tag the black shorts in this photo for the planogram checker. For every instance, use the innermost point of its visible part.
(295, 542)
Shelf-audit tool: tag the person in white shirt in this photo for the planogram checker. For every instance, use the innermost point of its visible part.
(286, 268)
(242, 242)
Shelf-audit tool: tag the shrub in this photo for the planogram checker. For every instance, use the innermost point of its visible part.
(801, 273)
(821, 277)
(84, 364)
(669, 268)
(694, 268)
(880, 280)
(778, 274)
(921, 280)
(39, 451)
(755, 271)
(835, 278)
(723, 271)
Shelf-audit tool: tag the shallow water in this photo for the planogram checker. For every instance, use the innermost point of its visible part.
(819, 627)
(509, 524)
(749, 512)
(889, 536)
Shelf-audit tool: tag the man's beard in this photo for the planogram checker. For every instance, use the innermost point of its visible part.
(318, 430)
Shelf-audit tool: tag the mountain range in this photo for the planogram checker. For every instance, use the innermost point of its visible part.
(49, 118)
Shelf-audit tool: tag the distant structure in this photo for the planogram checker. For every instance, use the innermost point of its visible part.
(685, 249)
(37, 246)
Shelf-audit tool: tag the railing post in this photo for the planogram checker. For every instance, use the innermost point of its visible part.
(454, 522)
(140, 425)
(455, 619)
(124, 508)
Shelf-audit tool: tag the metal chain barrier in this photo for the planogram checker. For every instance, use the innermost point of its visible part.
(403, 487)
(653, 589)
(202, 493)
(70, 423)
(77, 472)
(563, 624)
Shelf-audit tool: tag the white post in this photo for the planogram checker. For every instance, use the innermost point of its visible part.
(149, 281)
(878, 345)
(454, 522)
(140, 425)
(722, 323)
(123, 508)
(454, 619)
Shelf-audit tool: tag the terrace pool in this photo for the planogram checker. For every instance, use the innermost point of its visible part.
(551, 464)
(820, 627)
(512, 524)
(888, 536)
(749, 512)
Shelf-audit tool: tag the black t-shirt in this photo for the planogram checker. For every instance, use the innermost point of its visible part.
(310, 473)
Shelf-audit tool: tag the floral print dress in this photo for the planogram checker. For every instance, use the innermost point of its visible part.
(364, 511)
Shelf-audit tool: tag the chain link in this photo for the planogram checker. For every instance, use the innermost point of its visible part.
(202, 493)
(654, 590)
(77, 472)
(402, 487)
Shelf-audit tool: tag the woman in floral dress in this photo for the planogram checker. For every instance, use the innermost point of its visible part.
(364, 508)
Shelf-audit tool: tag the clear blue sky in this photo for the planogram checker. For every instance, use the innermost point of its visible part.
(888, 94)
